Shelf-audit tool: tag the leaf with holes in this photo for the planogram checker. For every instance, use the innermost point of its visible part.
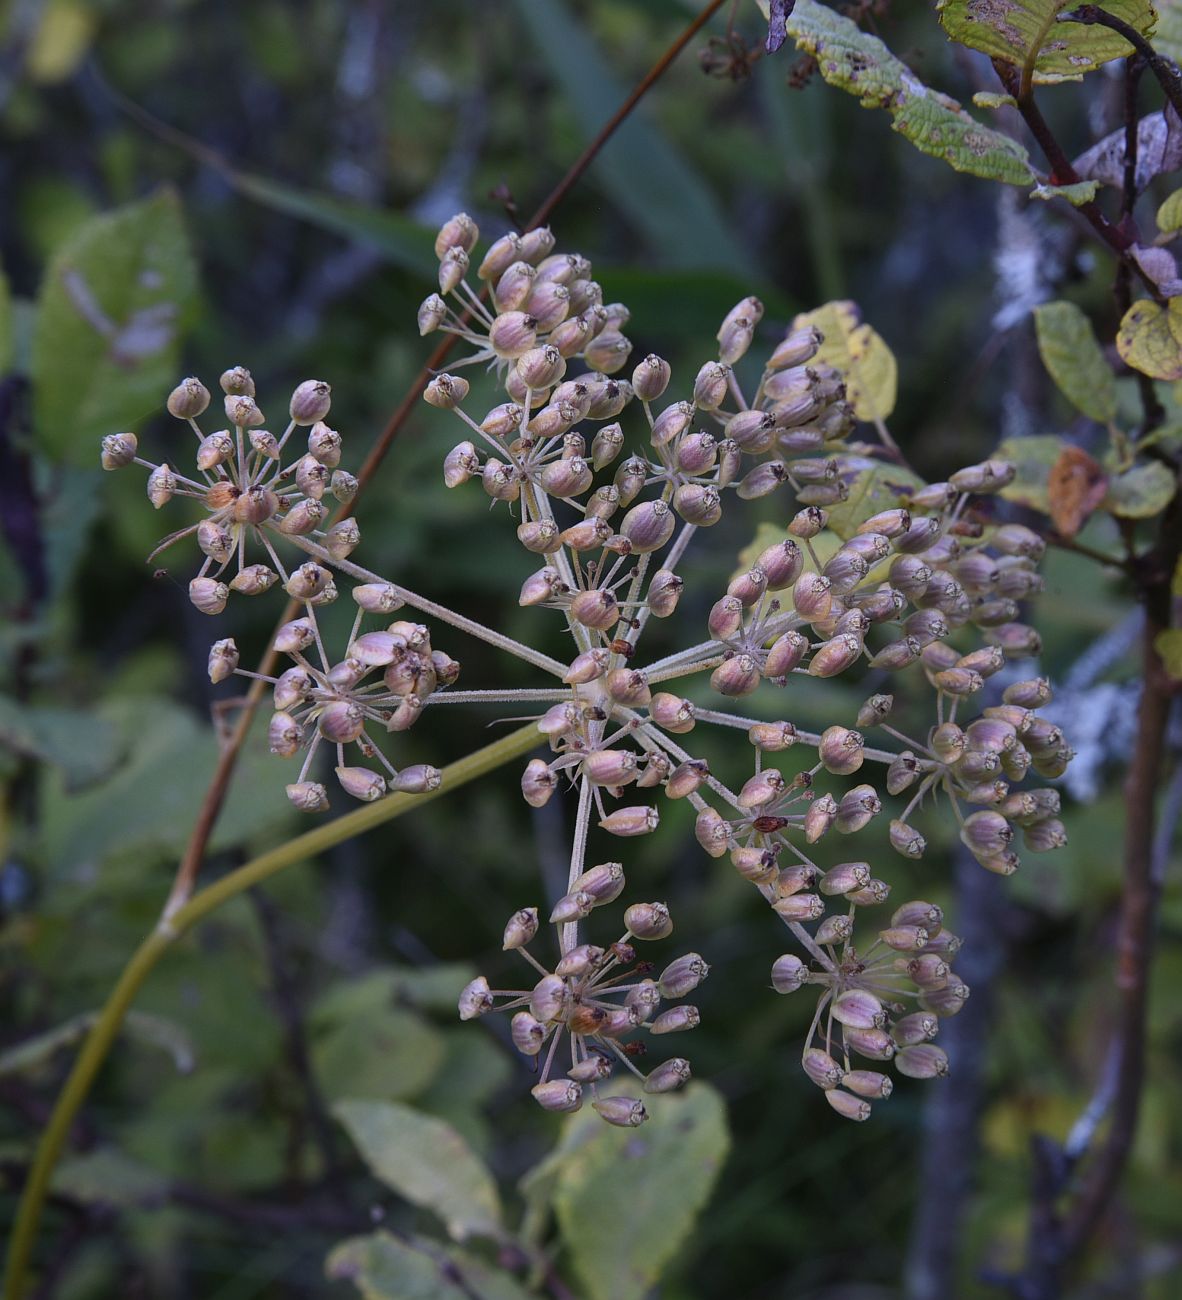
(859, 352)
(1074, 361)
(861, 64)
(1028, 33)
(1150, 338)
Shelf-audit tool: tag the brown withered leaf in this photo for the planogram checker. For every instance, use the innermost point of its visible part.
(1076, 486)
(1159, 150)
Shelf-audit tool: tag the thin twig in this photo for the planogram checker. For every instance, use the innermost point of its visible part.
(1165, 70)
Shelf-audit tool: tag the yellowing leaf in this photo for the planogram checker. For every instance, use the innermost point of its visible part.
(61, 40)
(1027, 32)
(872, 486)
(1169, 215)
(1169, 645)
(1033, 458)
(1141, 492)
(1080, 192)
(858, 351)
(861, 64)
(1073, 358)
(1148, 338)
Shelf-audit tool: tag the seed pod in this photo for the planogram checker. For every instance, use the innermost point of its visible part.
(223, 660)
(834, 929)
(800, 907)
(947, 1001)
(521, 928)
(794, 879)
(698, 505)
(527, 1033)
(208, 595)
(588, 535)
(664, 591)
(682, 976)
(643, 999)
(841, 750)
(638, 820)
(628, 686)
(821, 1068)
(671, 423)
(812, 596)
(651, 378)
(361, 783)
(341, 722)
(242, 411)
(648, 526)
(559, 1095)
(912, 1030)
(302, 518)
(668, 1076)
(873, 1043)
(756, 865)
(765, 478)
(608, 351)
(308, 581)
(772, 737)
(835, 656)
(904, 938)
(859, 1009)
(788, 973)
(591, 1069)
(161, 486)
(580, 960)
(763, 788)
(610, 766)
(431, 314)
(906, 840)
(118, 450)
(785, 655)
(623, 1112)
(710, 386)
(867, 1083)
(712, 832)
(988, 476)
(929, 971)
(676, 1020)
(737, 676)
(686, 778)
(923, 1062)
(986, 834)
(671, 712)
(602, 883)
(820, 816)
(753, 431)
(845, 877)
(595, 609)
(606, 445)
(215, 541)
(537, 783)
(648, 921)
(847, 1105)
(307, 796)
(572, 907)
(1044, 836)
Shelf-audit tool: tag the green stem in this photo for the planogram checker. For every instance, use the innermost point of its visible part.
(98, 1042)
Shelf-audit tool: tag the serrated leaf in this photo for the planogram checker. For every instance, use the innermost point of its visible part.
(936, 124)
(640, 1190)
(383, 1267)
(1072, 356)
(860, 353)
(109, 316)
(427, 1162)
(1168, 644)
(1033, 457)
(872, 486)
(1141, 492)
(1028, 33)
(1169, 215)
(1080, 192)
(1149, 338)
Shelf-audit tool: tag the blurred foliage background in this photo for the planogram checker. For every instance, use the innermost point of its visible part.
(294, 159)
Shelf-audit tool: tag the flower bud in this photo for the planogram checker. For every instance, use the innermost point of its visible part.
(923, 1062)
(835, 656)
(859, 1009)
(676, 1020)
(821, 1068)
(736, 676)
(602, 883)
(946, 1001)
(361, 783)
(986, 834)
(847, 1105)
(904, 938)
(560, 1095)
(648, 526)
(788, 973)
(845, 877)
(118, 450)
(638, 820)
(841, 751)
(988, 476)
(800, 907)
(867, 1083)
(712, 832)
(521, 928)
(527, 1033)
(785, 655)
(161, 486)
(307, 796)
(595, 609)
(623, 1112)
(648, 921)
(628, 686)
(906, 840)
(697, 504)
(671, 712)
(537, 783)
(820, 816)
(208, 595)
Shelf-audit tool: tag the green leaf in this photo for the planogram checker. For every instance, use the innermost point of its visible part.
(626, 1201)
(679, 218)
(155, 1030)
(1033, 458)
(6, 326)
(109, 317)
(1141, 492)
(872, 486)
(427, 1162)
(383, 1267)
(993, 99)
(1169, 215)
(1027, 33)
(1168, 644)
(1077, 194)
(1167, 39)
(83, 746)
(862, 65)
(1074, 360)
(859, 352)
(385, 1053)
(109, 1176)
(1150, 338)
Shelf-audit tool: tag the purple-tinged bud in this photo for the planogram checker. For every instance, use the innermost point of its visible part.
(402, 719)
(834, 929)
(527, 1033)
(682, 976)
(223, 660)
(630, 479)
(737, 676)
(214, 449)
(948, 1001)
(676, 1020)
(587, 667)
(788, 973)
(608, 398)
(539, 536)
(560, 719)
(847, 1105)
(906, 840)
(771, 737)
(845, 877)
(765, 478)
(835, 656)
(537, 244)
(920, 537)
(521, 928)
(896, 655)
(697, 504)
(794, 879)
(664, 591)
(459, 231)
(343, 485)
(606, 445)
(307, 796)
(537, 783)
(591, 1069)
(310, 402)
(453, 266)
(841, 751)
(874, 1043)
(696, 453)
(812, 596)
(623, 1112)
(572, 907)
(797, 347)
(628, 686)
(608, 351)
(904, 938)
(499, 480)
(668, 1076)
(762, 789)
(243, 412)
(361, 783)
(756, 865)
(119, 449)
(859, 1009)
(237, 381)
(560, 1095)
(587, 535)
(785, 655)
(341, 722)
(307, 582)
(875, 710)
(808, 522)
(923, 1062)
(586, 295)
(208, 595)
(648, 526)
(548, 998)
(686, 778)
(819, 818)
(710, 386)
(637, 820)
(930, 971)
(603, 883)
(188, 399)
(726, 618)
(579, 960)
(712, 832)
(302, 518)
(595, 609)
(342, 539)
(1044, 836)
(214, 540)
(432, 313)
(753, 431)
(648, 921)
(926, 626)
(821, 1068)
(867, 1083)
(781, 564)
(800, 907)
(902, 772)
(540, 587)
(610, 766)
(988, 476)
(943, 941)
(643, 999)
(311, 477)
(913, 1030)
(513, 289)
(651, 378)
(671, 712)
(986, 834)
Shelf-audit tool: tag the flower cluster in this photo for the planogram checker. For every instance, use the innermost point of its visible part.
(926, 581)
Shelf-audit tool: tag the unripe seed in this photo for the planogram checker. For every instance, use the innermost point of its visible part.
(737, 676)
(623, 1112)
(208, 595)
(788, 973)
(821, 1068)
(923, 1062)
(639, 820)
(676, 1020)
(118, 450)
(307, 796)
(906, 840)
(859, 1009)
(648, 920)
(845, 877)
(786, 654)
(841, 751)
(560, 1095)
